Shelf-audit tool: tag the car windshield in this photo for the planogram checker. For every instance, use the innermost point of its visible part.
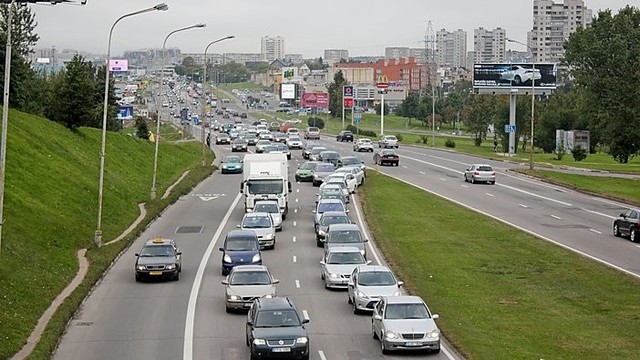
(281, 147)
(364, 141)
(376, 278)
(268, 207)
(318, 150)
(308, 166)
(277, 318)
(241, 245)
(249, 278)
(325, 168)
(256, 222)
(322, 207)
(259, 187)
(231, 159)
(406, 311)
(346, 258)
(329, 220)
(157, 250)
(351, 161)
(347, 236)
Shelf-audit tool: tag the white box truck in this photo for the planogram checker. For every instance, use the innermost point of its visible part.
(266, 177)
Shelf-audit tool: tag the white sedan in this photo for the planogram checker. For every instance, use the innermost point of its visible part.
(355, 170)
(347, 178)
(519, 75)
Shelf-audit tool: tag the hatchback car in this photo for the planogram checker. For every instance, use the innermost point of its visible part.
(363, 145)
(405, 323)
(240, 248)
(223, 138)
(345, 136)
(480, 173)
(340, 235)
(328, 205)
(337, 265)
(305, 171)
(239, 145)
(329, 218)
(354, 170)
(275, 329)
(262, 224)
(329, 156)
(158, 258)
(314, 155)
(231, 164)
(261, 144)
(628, 224)
(312, 132)
(294, 142)
(368, 284)
(386, 157)
(321, 171)
(246, 283)
(271, 207)
(388, 141)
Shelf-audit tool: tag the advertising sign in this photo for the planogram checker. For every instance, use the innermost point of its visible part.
(348, 103)
(312, 100)
(118, 65)
(514, 76)
(289, 72)
(288, 91)
(125, 113)
(347, 91)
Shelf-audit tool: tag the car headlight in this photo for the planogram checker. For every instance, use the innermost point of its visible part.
(269, 236)
(269, 296)
(391, 335)
(255, 258)
(322, 232)
(141, 267)
(259, 342)
(171, 267)
(433, 334)
(226, 259)
(302, 340)
(234, 297)
(397, 293)
(334, 275)
(315, 176)
(360, 294)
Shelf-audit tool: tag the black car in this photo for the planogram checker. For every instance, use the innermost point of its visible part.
(345, 136)
(239, 145)
(628, 224)
(159, 258)
(386, 157)
(276, 329)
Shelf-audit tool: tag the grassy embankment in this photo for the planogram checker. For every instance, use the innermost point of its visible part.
(50, 211)
(501, 293)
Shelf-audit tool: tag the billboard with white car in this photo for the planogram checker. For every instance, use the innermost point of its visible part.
(514, 76)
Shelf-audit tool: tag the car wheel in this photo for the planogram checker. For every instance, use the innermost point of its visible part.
(436, 351)
(633, 234)
(373, 332)
(473, 181)
(138, 279)
(465, 178)
(382, 347)
(297, 179)
(616, 230)
(176, 277)
(355, 308)
(349, 299)
(492, 182)
(319, 243)
(517, 80)
(227, 309)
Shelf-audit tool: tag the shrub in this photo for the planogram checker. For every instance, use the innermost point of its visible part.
(450, 143)
(423, 139)
(579, 153)
(142, 131)
(399, 137)
(316, 121)
(560, 151)
(360, 132)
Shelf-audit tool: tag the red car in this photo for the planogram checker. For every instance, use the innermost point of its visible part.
(386, 157)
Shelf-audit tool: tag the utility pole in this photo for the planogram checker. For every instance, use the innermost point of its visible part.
(430, 52)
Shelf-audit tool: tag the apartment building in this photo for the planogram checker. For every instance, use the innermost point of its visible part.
(332, 56)
(272, 48)
(451, 48)
(489, 45)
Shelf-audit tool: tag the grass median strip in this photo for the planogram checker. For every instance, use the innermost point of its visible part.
(501, 293)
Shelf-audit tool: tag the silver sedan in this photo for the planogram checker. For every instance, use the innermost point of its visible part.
(338, 264)
(246, 283)
(480, 173)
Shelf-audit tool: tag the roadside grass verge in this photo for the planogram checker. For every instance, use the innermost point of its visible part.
(501, 293)
(50, 210)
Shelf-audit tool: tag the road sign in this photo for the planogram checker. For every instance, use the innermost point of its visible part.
(509, 128)
(347, 91)
(357, 116)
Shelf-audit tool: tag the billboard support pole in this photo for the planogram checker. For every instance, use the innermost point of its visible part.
(533, 98)
(382, 113)
(512, 122)
(343, 107)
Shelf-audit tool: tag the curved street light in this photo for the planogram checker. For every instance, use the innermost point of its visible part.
(204, 113)
(159, 7)
(157, 136)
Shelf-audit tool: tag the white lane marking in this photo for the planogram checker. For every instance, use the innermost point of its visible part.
(187, 351)
(404, 167)
(443, 179)
(305, 315)
(295, 211)
(465, 186)
(638, 246)
(296, 199)
(295, 223)
(595, 231)
(297, 190)
(422, 172)
(556, 217)
(372, 249)
(488, 194)
(321, 354)
(523, 206)
(295, 259)
(601, 214)
(298, 284)
(637, 276)
(294, 239)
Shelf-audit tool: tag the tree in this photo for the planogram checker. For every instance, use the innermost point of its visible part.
(605, 62)
(560, 111)
(409, 106)
(74, 95)
(481, 114)
(335, 94)
(142, 129)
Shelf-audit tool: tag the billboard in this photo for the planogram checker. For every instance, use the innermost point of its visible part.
(289, 72)
(118, 65)
(514, 76)
(288, 91)
(318, 100)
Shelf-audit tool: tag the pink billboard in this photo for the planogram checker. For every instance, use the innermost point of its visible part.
(318, 100)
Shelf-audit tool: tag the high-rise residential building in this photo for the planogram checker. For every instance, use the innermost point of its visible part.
(451, 48)
(332, 56)
(396, 52)
(553, 22)
(272, 48)
(489, 45)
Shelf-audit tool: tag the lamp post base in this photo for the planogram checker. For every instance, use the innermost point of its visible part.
(98, 238)
(153, 193)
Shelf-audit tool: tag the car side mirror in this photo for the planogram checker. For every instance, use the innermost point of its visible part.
(275, 281)
(221, 249)
(350, 283)
(224, 282)
(305, 321)
(249, 322)
(435, 316)
(238, 226)
(321, 262)
(346, 211)
(313, 211)
(179, 253)
(400, 283)
(622, 215)
(377, 317)
(366, 240)
(368, 262)
(137, 254)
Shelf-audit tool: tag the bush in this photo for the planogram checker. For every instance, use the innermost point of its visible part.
(579, 153)
(142, 131)
(560, 151)
(450, 143)
(360, 132)
(423, 139)
(399, 137)
(316, 121)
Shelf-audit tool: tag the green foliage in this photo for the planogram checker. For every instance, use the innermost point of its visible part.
(579, 153)
(366, 133)
(23, 25)
(315, 121)
(142, 128)
(399, 137)
(560, 111)
(424, 139)
(378, 107)
(335, 94)
(560, 150)
(481, 114)
(450, 143)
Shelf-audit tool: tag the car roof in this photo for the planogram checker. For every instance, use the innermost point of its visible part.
(343, 227)
(404, 299)
(239, 268)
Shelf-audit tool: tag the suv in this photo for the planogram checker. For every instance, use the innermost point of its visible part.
(159, 258)
(388, 141)
(345, 136)
(312, 132)
(276, 329)
(241, 247)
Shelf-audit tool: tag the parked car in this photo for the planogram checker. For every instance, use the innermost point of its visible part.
(405, 323)
(231, 164)
(245, 283)
(241, 247)
(305, 171)
(158, 258)
(388, 141)
(329, 218)
(628, 224)
(337, 265)
(339, 235)
(390, 157)
(480, 173)
(363, 145)
(262, 224)
(271, 207)
(345, 135)
(368, 284)
(312, 132)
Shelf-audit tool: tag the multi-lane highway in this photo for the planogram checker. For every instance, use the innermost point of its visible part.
(122, 319)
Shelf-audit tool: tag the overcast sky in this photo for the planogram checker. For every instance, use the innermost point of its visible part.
(364, 27)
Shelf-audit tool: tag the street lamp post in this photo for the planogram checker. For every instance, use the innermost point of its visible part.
(533, 98)
(157, 137)
(159, 7)
(204, 88)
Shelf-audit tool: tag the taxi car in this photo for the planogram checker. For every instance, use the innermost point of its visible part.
(158, 258)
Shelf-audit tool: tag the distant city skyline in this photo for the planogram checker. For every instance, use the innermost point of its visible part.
(368, 27)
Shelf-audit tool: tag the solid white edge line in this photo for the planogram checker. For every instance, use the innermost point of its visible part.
(595, 231)
(321, 354)
(187, 351)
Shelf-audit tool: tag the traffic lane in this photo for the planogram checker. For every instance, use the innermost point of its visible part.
(129, 320)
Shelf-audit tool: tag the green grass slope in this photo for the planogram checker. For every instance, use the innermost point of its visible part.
(50, 211)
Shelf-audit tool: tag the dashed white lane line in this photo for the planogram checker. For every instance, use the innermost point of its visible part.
(295, 259)
(489, 194)
(298, 284)
(294, 239)
(523, 206)
(556, 217)
(295, 211)
(321, 354)
(465, 186)
(296, 199)
(295, 223)
(443, 179)
(404, 167)
(305, 315)
(422, 173)
(595, 231)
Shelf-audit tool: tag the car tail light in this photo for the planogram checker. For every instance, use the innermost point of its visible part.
(493, 173)
(476, 173)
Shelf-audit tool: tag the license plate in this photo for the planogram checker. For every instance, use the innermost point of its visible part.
(282, 349)
(155, 273)
(413, 343)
